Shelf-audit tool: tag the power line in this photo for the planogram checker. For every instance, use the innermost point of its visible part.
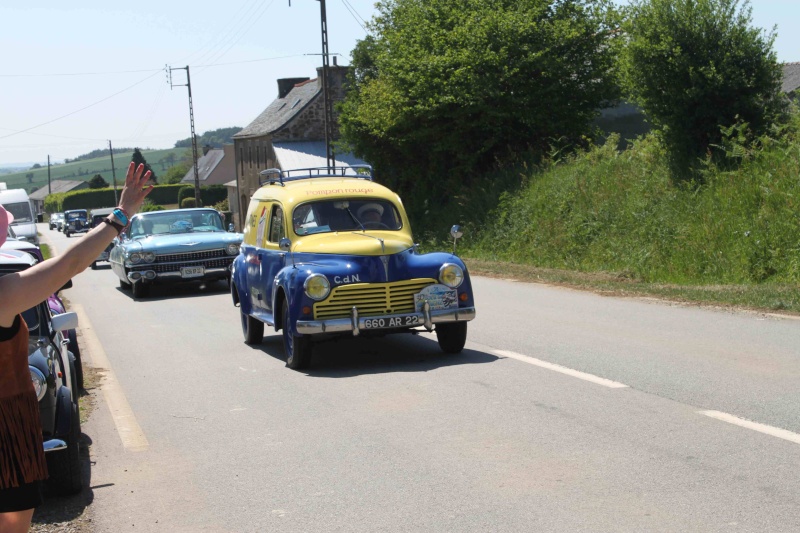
(76, 74)
(355, 15)
(81, 109)
(244, 32)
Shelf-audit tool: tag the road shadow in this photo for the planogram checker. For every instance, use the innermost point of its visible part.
(344, 357)
(187, 289)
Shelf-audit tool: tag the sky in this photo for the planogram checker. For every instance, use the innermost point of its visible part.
(75, 75)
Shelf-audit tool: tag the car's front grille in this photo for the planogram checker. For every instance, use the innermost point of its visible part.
(190, 256)
(371, 299)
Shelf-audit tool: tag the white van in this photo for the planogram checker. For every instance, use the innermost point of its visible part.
(16, 201)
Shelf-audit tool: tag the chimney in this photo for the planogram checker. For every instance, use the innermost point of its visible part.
(285, 85)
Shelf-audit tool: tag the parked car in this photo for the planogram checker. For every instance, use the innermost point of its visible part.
(173, 246)
(97, 216)
(76, 221)
(315, 264)
(53, 376)
(56, 221)
(54, 301)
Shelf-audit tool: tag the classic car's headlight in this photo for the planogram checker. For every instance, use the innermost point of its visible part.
(317, 286)
(148, 257)
(135, 258)
(39, 382)
(232, 249)
(451, 275)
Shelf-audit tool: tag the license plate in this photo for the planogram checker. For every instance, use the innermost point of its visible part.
(390, 322)
(192, 272)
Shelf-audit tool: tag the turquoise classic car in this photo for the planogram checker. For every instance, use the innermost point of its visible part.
(177, 245)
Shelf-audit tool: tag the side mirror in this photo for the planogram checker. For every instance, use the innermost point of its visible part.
(231, 227)
(64, 321)
(455, 233)
(67, 285)
(285, 244)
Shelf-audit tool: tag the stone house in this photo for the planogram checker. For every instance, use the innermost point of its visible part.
(39, 195)
(289, 133)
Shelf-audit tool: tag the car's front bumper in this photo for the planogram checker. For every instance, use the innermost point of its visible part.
(356, 323)
(152, 276)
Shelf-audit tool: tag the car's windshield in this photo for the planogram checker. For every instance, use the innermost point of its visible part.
(156, 223)
(345, 215)
(20, 210)
(76, 215)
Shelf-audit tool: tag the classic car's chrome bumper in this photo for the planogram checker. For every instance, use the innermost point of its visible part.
(53, 445)
(151, 275)
(356, 323)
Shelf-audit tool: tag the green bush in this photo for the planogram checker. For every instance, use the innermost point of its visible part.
(187, 203)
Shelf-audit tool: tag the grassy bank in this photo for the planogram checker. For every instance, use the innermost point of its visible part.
(615, 221)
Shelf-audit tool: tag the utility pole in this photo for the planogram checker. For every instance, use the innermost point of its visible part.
(188, 84)
(49, 188)
(328, 97)
(113, 172)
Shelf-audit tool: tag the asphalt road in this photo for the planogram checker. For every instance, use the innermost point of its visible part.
(567, 411)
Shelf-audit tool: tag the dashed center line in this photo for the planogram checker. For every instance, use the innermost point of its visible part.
(562, 369)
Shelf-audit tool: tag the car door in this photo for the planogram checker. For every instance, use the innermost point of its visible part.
(269, 259)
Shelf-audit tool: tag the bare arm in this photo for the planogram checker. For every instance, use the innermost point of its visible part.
(23, 290)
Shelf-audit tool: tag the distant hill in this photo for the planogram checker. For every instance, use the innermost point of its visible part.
(215, 138)
(85, 169)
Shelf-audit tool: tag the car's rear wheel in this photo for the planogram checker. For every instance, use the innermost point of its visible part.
(252, 328)
(297, 348)
(64, 466)
(452, 336)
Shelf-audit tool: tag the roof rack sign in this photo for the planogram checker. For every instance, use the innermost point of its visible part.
(276, 175)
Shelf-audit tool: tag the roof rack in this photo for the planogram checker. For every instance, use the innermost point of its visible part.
(276, 175)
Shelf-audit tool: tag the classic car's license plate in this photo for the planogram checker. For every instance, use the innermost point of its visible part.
(192, 272)
(391, 322)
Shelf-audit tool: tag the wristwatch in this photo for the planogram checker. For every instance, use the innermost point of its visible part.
(120, 215)
(116, 225)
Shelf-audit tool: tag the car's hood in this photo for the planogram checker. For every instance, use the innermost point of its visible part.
(182, 242)
(354, 243)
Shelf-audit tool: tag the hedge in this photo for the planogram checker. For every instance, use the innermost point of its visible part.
(161, 194)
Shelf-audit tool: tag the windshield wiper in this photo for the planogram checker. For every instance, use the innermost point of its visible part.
(360, 225)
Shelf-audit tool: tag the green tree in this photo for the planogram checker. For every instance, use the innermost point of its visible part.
(176, 173)
(29, 177)
(97, 182)
(448, 87)
(138, 159)
(695, 67)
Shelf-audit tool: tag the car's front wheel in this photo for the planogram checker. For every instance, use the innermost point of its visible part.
(452, 336)
(124, 285)
(297, 348)
(65, 465)
(140, 289)
(67, 233)
(252, 328)
(94, 265)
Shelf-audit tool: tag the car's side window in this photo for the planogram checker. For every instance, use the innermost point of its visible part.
(276, 232)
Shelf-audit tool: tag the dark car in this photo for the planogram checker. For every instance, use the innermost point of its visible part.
(52, 370)
(76, 221)
(97, 216)
(54, 301)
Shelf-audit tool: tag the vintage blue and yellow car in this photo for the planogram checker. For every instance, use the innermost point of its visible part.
(329, 252)
(171, 246)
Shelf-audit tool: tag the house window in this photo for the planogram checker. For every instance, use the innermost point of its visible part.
(241, 160)
(250, 155)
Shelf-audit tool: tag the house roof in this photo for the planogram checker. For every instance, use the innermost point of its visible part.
(57, 186)
(209, 163)
(282, 110)
(791, 77)
(309, 154)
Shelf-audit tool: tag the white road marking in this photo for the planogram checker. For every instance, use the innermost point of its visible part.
(131, 434)
(564, 370)
(755, 426)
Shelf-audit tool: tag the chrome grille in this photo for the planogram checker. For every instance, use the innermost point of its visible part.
(191, 256)
(371, 299)
(161, 268)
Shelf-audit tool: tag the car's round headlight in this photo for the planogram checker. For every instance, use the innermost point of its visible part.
(148, 257)
(451, 275)
(39, 382)
(232, 249)
(135, 258)
(317, 286)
